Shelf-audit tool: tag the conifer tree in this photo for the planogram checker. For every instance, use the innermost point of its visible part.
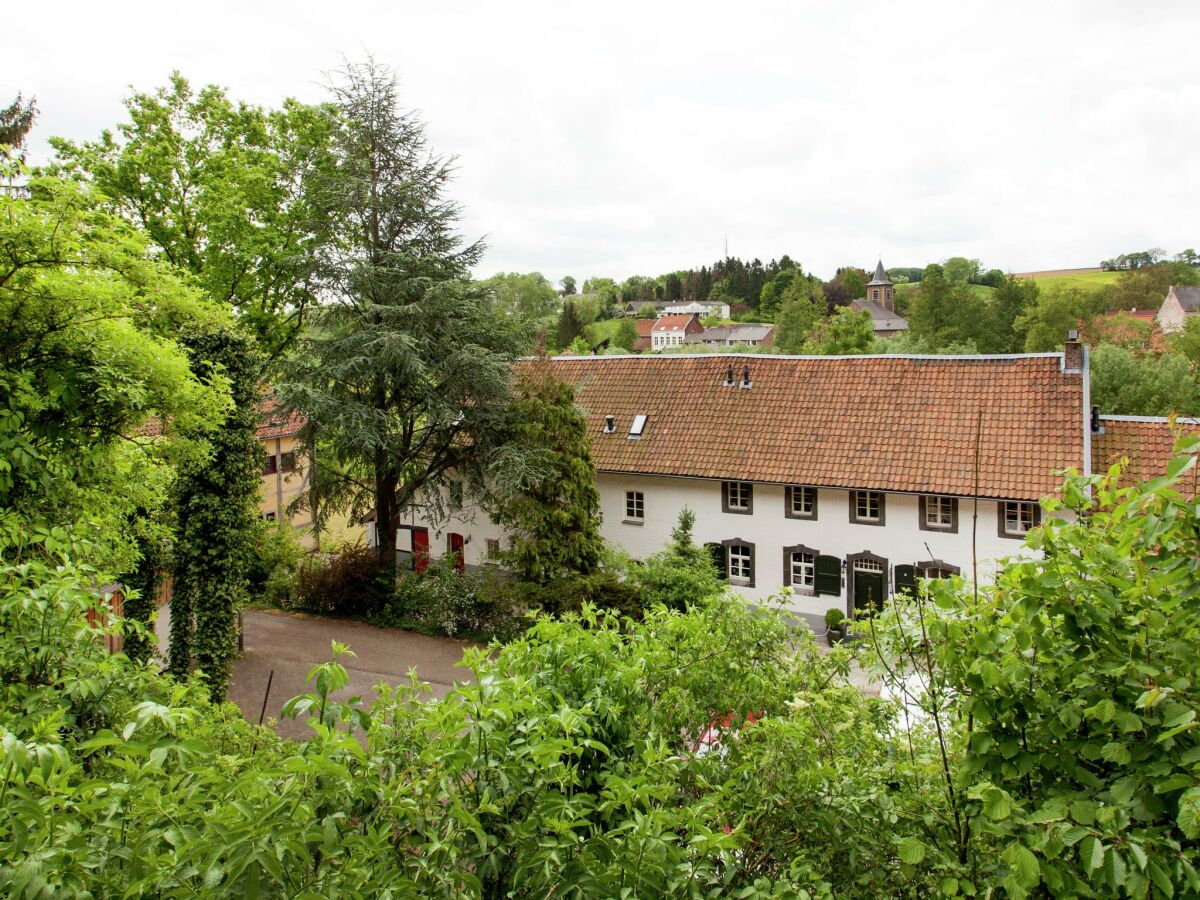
(550, 506)
(406, 375)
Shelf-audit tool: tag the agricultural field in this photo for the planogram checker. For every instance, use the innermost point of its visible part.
(1073, 278)
(905, 292)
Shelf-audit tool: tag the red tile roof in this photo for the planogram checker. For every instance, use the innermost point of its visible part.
(1147, 443)
(883, 423)
(644, 327)
(678, 322)
(274, 422)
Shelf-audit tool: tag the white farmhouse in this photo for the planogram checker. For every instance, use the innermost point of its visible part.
(840, 478)
(1179, 303)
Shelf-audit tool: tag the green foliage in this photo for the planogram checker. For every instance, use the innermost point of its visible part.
(845, 333)
(1134, 384)
(274, 572)
(905, 342)
(1145, 287)
(1071, 692)
(795, 321)
(1012, 299)
(946, 311)
(834, 617)
(626, 335)
(441, 600)
(16, 121)
(406, 377)
(544, 484)
(568, 285)
(217, 516)
(680, 576)
(350, 582)
(1056, 311)
(87, 356)
(528, 298)
(226, 191)
(960, 270)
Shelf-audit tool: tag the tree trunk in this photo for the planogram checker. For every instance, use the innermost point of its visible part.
(386, 516)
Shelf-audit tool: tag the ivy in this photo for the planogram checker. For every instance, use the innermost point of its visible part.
(217, 520)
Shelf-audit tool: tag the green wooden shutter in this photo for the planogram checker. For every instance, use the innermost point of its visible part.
(905, 579)
(828, 576)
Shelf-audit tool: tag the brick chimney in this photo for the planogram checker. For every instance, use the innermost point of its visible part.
(1072, 354)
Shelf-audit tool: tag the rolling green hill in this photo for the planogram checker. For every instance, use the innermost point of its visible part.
(1088, 281)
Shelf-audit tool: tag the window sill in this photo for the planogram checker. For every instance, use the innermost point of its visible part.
(866, 521)
(803, 591)
(740, 582)
(1014, 536)
(633, 521)
(791, 515)
(738, 512)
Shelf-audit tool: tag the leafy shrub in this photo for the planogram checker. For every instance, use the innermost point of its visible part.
(350, 582)
(275, 569)
(603, 589)
(442, 600)
(679, 576)
(834, 617)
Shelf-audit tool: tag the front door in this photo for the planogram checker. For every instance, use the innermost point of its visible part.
(870, 584)
(456, 551)
(420, 545)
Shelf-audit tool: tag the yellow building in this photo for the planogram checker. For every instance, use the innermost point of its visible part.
(285, 478)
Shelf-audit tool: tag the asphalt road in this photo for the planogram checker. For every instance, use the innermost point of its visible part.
(290, 645)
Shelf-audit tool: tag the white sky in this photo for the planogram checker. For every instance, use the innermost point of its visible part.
(631, 138)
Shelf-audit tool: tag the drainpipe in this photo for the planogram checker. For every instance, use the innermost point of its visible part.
(1087, 414)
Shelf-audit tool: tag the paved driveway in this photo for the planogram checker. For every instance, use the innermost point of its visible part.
(290, 645)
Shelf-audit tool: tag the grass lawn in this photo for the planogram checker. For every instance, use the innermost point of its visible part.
(906, 291)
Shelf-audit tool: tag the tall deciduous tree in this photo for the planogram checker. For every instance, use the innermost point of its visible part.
(845, 333)
(568, 285)
(217, 516)
(406, 373)
(1013, 296)
(225, 191)
(88, 354)
(946, 311)
(548, 501)
(1056, 311)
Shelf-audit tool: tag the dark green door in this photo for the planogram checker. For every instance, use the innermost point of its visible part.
(868, 590)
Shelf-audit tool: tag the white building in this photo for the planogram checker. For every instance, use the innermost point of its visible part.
(1179, 303)
(704, 309)
(838, 477)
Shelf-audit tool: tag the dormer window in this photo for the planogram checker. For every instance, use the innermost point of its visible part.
(638, 426)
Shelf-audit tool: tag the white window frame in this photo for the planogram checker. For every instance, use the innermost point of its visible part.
(862, 500)
(744, 491)
(492, 551)
(803, 570)
(803, 491)
(939, 512)
(1025, 517)
(635, 507)
(739, 564)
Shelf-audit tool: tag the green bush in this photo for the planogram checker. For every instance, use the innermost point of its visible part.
(275, 568)
(444, 601)
(350, 582)
(834, 617)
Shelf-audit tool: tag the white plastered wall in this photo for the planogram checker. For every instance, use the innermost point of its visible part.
(899, 540)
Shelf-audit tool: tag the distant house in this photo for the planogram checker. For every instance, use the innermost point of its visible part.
(704, 309)
(880, 302)
(635, 307)
(745, 334)
(1180, 303)
(643, 343)
(1133, 329)
(674, 331)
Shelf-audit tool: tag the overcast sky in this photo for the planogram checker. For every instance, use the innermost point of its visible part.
(634, 138)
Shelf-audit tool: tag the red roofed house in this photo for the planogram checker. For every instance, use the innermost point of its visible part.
(840, 478)
(674, 330)
(643, 342)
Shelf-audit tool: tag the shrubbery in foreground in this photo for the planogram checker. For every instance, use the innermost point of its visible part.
(1057, 753)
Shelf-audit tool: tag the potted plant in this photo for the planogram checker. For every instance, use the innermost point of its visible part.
(835, 626)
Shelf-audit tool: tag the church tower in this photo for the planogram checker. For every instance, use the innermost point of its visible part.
(879, 289)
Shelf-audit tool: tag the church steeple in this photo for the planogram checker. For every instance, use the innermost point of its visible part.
(879, 289)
